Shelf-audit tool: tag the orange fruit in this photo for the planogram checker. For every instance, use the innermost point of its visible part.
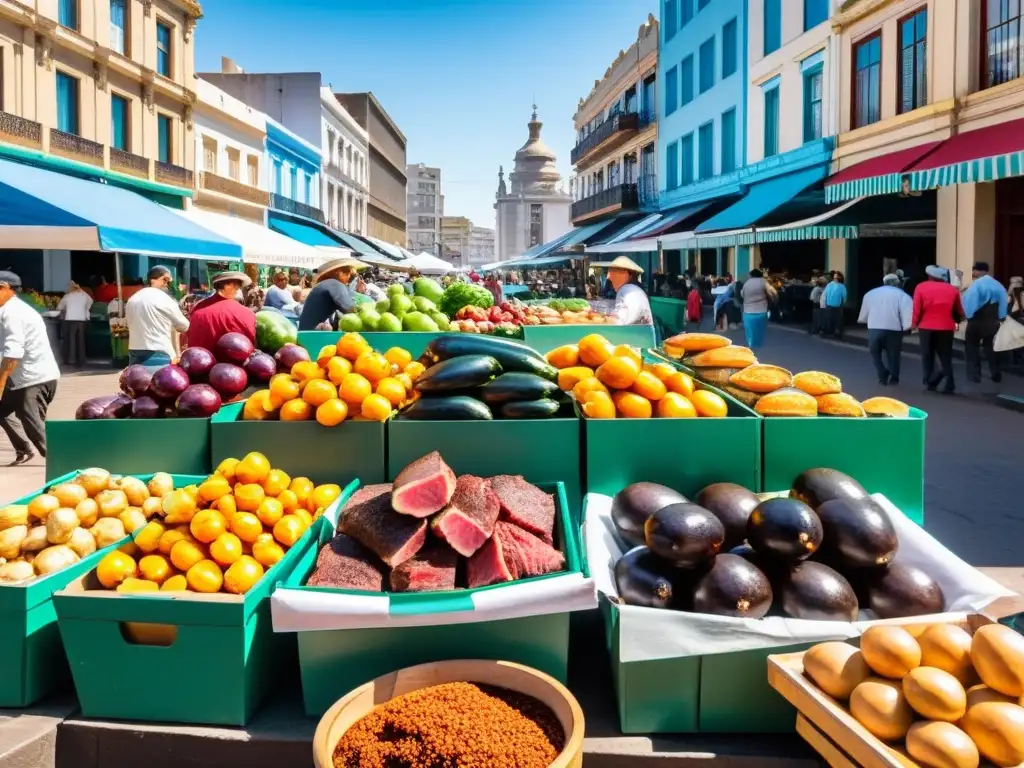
(405, 380)
(114, 568)
(177, 583)
(591, 384)
(129, 586)
(570, 377)
(372, 366)
(304, 516)
(243, 575)
(155, 568)
(680, 382)
(297, 410)
(595, 350)
(260, 406)
(354, 389)
(323, 496)
(284, 388)
(351, 346)
(398, 356)
(624, 350)
(246, 526)
(414, 369)
(226, 549)
(267, 552)
(676, 406)
(269, 512)
(392, 390)
(288, 530)
(332, 413)
(226, 505)
(376, 408)
(337, 369)
(205, 577)
(305, 371)
(213, 487)
(301, 487)
(708, 403)
(318, 392)
(185, 554)
(661, 370)
(598, 405)
(252, 469)
(148, 539)
(650, 386)
(276, 482)
(566, 356)
(632, 406)
(169, 538)
(325, 354)
(249, 497)
(618, 372)
(289, 501)
(227, 469)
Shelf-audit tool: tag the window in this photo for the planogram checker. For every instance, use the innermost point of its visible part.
(815, 12)
(670, 19)
(685, 12)
(706, 138)
(772, 26)
(118, 25)
(686, 150)
(163, 49)
(234, 164)
(67, 13)
(425, 222)
(209, 155)
(253, 167)
(728, 141)
(701, 4)
(613, 175)
(1003, 22)
(165, 134)
(707, 64)
(812, 104)
(867, 76)
(671, 90)
(771, 121)
(119, 122)
(67, 103)
(686, 76)
(536, 224)
(672, 165)
(729, 51)
(913, 86)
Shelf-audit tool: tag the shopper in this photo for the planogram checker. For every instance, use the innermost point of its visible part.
(154, 320)
(331, 293)
(632, 307)
(755, 308)
(28, 371)
(694, 308)
(74, 307)
(985, 307)
(832, 299)
(938, 312)
(278, 295)
(221, 313)
(887, 311)
(816, 309)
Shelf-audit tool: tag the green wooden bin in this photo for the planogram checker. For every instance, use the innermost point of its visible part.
(341, 454)
(333, 662)
(129, 446)
(223, 661)
(35, 664)
(544, 338)
(412, 341)
(885, 455)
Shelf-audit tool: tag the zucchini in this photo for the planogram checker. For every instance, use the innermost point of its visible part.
(530, 409)
(512, 355)
(516, 387)
(458, 373)
(458, 408)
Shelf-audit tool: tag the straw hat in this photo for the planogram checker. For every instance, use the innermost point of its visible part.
(621, 262)
(227, 277)
(333, 266)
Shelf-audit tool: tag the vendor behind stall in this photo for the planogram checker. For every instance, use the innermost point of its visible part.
(331, 293)
(221, 313)
(632, 306)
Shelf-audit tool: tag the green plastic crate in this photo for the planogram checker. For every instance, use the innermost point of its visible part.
(333, 662)
(885, 455)
(671, 313)
(222, 663)
(412, 341)
(544, 338)
(341, 454)
(129, 446)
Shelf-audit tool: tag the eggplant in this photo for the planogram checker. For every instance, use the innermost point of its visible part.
(644, 579)
(512, 355)
(516, 387)
(456, 408)
(685, 534)
(530, 409)
(459, 373)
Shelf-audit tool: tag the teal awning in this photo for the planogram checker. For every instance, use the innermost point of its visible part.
(581, 234)
(762, 199)
(363, 249)
(302, 232)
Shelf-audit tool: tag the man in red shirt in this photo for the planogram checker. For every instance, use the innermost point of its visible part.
(222, 313)
(938, 312)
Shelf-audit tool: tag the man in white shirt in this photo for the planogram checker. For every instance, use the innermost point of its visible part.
(74, 307)
(28, 371)
(154, 322)
(632, 307)
(887, 311)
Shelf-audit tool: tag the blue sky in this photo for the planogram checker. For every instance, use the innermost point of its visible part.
(457, 76)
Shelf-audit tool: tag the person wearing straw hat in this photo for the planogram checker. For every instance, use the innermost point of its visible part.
(331, 293)
(221, 313)
(632, 306)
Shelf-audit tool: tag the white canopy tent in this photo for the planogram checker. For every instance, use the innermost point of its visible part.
(429, 265)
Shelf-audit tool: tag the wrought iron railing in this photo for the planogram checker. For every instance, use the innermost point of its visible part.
(623, 121)
(620, 197)
(226, 186)
(121, 160)
(647, 191)
(287, 205)
(70, 145)
(18, 130)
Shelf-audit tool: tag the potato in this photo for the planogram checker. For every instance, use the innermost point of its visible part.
(16, 570)
(69, 494)
(161, 484)
(133, 519)
(82, 542)
(112, 503)
(15, 514)
(36, 541)
(88, 512)
(54, 559)
(10, 541)
(42, 506)
(93, 480)
(152, 506)
(134, 490)
(60, 525)
(109, 530)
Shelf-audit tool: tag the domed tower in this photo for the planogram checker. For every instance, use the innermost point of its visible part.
(535, 169)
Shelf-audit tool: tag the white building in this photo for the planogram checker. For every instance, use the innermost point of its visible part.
(424, 208)
(534, 208)
(345, 145)
(481, 246)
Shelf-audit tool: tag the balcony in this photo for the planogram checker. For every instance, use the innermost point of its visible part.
(168, 173)
(294, 207)
(609, 135)
(211, 182)
(624, 197)
(75, 147)
(18, 130)
(126, 162)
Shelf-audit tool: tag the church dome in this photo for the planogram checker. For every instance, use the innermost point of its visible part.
(535, 146)
(535, 169)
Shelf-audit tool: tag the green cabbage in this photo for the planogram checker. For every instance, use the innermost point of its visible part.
(462, 295)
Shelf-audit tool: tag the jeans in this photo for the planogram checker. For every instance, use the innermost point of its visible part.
(891, 343)
(981, 332)
(937, 344)
(72, 341)
(832, 321)
(754, 324)
(148, 358)
(29, 406)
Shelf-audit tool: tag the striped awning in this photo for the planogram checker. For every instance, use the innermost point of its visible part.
(882, 175)
(987, 154)
(635, 228)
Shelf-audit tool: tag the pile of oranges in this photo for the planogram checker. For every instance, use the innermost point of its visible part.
(221, 535)
(347, 379)
(611, 381)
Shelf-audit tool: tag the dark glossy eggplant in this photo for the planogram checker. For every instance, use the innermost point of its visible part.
(785, 529)
(816, 486)
(733, 587)
(903, 590)
(644, 579)
(858, 533)
(634, 504)
(732, 504)
(687, 535)
(815, 592)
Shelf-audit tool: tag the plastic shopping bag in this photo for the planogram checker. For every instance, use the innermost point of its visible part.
(1009, 336)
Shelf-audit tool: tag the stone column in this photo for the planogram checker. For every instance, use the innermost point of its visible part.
(966, 226)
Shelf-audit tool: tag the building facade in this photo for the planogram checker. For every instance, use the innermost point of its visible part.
(456, 236)
(615, 157)
(345, 146)
(386, 202)
(481, 246)
(533, 208)
(294, 167)
(425, 208)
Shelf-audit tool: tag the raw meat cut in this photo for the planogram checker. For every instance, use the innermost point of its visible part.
(365, 493)
(423, 487)
(526, 505)
(432, 569)
(393, 537)
(487, 566)
(344, 563)
(511, 554)
(468, 520)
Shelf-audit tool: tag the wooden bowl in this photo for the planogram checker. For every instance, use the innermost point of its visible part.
(515, 677)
